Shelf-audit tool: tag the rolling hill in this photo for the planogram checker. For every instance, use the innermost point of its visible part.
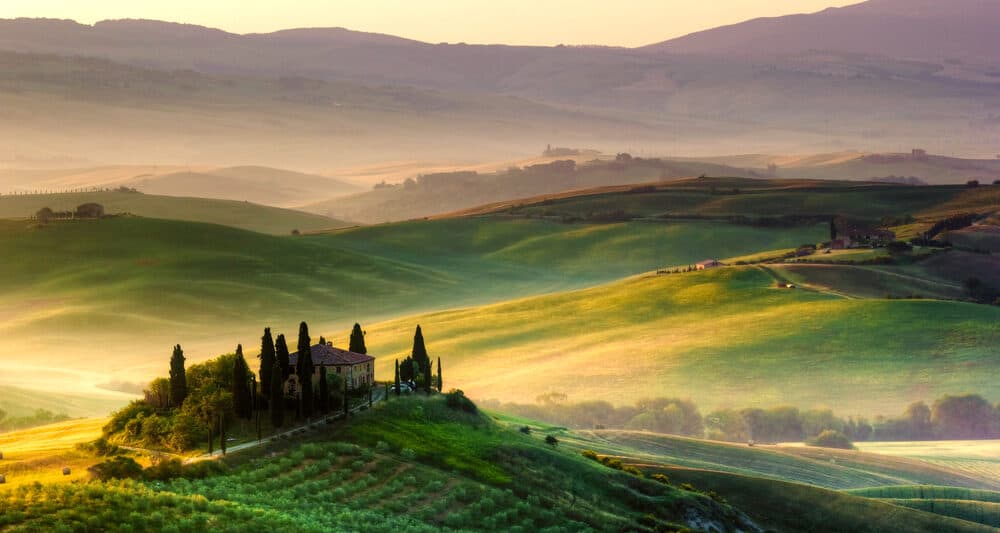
(922, 30)
(415, 464)
(243, 215)
(761, 346)
(656, 186)
(209, 287)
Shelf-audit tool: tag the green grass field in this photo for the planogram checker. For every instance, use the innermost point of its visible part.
(724, 338)
(244, 215)
(463, 472)
(830, 469)
(760, 198)
(100, 285)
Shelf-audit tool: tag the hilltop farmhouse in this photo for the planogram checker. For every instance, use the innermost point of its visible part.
(707, 264)
(358, 369)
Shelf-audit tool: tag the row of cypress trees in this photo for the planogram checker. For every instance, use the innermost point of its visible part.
(418, 364)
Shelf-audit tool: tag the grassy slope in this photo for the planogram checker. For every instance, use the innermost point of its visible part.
(209, 287)
(764, 198)
(461, 472)
(789, 488)
(22, 402)
(39, 454)
(723, 338)
(831, 469)
(253, 217)
(784, 506)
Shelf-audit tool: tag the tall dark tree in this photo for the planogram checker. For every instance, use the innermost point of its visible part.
(281, 356)
(324, 391)
(241, 386)
(178, 379)
(305, 370)
(398, 392)
(267, 357)
(419, 355)
(406, 372)
(833, 229)
(277, 397)
(440, 381)
(358, 340)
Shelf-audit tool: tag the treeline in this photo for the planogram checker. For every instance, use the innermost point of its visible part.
(40, 417)
(949, 418)
(201, 402)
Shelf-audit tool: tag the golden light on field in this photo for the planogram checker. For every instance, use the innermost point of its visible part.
(626, 23)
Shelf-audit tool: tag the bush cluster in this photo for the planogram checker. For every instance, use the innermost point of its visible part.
(456, 399)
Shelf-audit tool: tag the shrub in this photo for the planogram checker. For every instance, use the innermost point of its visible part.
(629, 469)
(526, 430)
(661, 479)
(163, 470)
(456, 399)
(118, 468)
(590, 454)
(831, 439)
(551, 440)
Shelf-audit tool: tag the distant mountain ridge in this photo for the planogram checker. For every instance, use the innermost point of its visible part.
(929, 30)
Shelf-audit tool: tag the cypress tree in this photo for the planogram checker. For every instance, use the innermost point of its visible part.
(358, 340)
(440, 382)
(324, 391)
(267, 357)
(347, 400)
(178, 379)
(305, 370)
(419, 355)
(241, 386)
(833, 229)
(398, 392)
(277, 399)
(281, 357)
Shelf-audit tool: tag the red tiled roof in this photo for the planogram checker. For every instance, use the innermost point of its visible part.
(326, 355)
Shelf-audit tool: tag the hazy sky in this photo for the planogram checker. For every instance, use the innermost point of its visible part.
(548, 22)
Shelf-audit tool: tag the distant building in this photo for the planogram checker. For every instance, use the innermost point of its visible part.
(358, 369)
(856, 235)
(707, 264)
(919, 154)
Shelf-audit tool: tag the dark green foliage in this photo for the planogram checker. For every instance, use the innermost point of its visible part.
(551, 440)
(440, 380)
(831, 439)
(398, 389)
(277, 397)
(178, 380)
(406, 370)
(456, 399)
(305, 371)
(525, 429)
(242, 401)
(324, 392)
(163, 470)
(660, 478)
(267, 357)
(120, 467)
(121, 417)
(419, 355)
(590, 454)
(40, 417)
(899, 247)
(281, 356)
(357, 344)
